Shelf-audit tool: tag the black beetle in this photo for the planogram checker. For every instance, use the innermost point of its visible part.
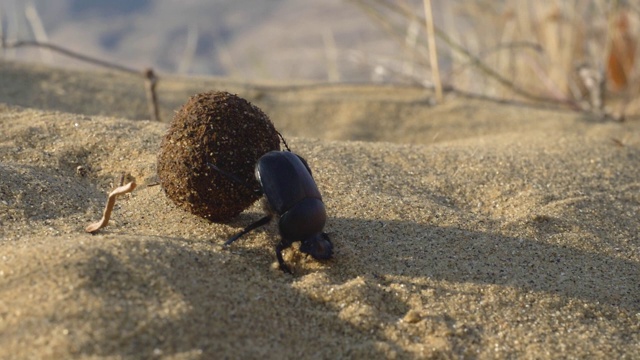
(292, 196)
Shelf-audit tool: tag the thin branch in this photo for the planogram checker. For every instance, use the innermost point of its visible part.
(372, 12)
(151, 79)
(433, 52)
(109, 208)
(71, 54)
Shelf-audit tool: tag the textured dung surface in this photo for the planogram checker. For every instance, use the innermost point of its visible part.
(221, 129)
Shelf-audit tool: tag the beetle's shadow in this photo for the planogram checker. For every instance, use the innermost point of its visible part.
(225, 306)
(462, 256)
(217, 297)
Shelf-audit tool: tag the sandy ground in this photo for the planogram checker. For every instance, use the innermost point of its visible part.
(468, 229)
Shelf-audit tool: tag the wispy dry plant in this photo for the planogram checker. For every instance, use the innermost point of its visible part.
(528, 50)
(35, 22)
(331, 52)
(386, 13)
(433, 52)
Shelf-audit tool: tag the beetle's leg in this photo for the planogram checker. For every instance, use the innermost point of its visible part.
(234, 178)
(279, 249)
(265, 220)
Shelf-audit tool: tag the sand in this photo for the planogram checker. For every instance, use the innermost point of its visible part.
(467, 229)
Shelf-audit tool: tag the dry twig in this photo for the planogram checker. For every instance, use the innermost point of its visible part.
(433, 52)
(109, 208)
(150, 77)
(150, 81)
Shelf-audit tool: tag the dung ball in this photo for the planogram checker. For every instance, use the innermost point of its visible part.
(220, 129)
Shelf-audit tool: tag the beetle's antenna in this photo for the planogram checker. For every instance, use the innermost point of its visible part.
(283, 141)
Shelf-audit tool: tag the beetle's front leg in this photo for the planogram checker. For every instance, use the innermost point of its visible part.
(279, 248)
(265, 220)
(234, 179)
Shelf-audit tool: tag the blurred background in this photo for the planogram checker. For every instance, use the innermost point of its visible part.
(254, 40)
(569, 51)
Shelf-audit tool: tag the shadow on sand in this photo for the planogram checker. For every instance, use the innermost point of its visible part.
(213, 294)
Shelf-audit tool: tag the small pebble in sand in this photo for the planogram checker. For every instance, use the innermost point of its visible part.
(412, 317)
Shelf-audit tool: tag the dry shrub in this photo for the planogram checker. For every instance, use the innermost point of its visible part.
(497, 48)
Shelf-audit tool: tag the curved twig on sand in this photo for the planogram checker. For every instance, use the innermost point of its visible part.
(109, 208)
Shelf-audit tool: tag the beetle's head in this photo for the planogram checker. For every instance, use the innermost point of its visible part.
(319, 246)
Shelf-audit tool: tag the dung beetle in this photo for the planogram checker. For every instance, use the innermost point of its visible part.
(292, 196)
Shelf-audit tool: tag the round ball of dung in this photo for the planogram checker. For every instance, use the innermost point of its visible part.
(215, 130)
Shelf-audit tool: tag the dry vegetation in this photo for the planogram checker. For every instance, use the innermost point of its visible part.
(576, 53)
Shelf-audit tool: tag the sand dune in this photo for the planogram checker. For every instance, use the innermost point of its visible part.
(464, 229)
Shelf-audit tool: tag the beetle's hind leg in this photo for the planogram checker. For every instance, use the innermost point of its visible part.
(264, 221)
